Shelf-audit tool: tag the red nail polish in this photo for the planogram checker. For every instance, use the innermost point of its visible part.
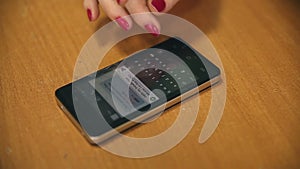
(89, 14)
(159, 5)
(118, 1)
(123, 23)
(152, 29)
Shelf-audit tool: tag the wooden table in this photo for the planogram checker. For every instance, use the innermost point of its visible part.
(258, 42)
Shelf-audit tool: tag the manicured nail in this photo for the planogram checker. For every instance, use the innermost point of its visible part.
(89, 14)
(123, 23)
(152, 29)
(118, 1)
(159, 5)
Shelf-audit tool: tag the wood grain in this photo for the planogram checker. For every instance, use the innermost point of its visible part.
(258, 42)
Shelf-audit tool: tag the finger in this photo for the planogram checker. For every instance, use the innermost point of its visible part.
(91, 7)
(145, 19)
(122, 2)
(161, 5)
(116, 12)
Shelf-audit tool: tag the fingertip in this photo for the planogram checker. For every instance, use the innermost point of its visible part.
(161, 6)
(117, 13)
(124, 22)
(153, 29)
(89, 14)
(92, 14)
(121, 2)
(157, 5)
(92, 10)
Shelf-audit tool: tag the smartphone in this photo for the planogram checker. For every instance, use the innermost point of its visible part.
(132, 90)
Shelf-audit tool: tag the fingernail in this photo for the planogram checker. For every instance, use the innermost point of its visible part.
(123, 23)
(159, 5)
(152, 29)
(118, 1)
(89, 14)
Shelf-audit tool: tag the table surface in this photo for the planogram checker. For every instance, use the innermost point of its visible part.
(258, 43)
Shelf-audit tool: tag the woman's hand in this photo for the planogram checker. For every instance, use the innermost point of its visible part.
(116, 10)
